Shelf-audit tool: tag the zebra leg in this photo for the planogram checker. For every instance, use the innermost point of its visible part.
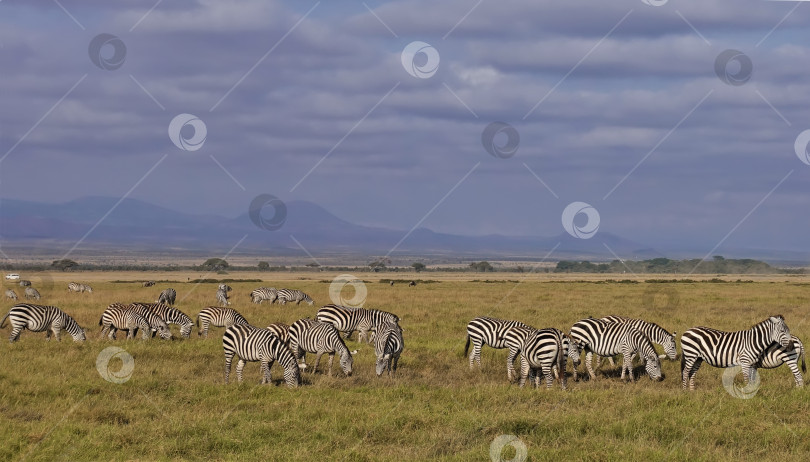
(628, 366)
(692, 372)
(475, 355)
(228, 359)
(396, 361)
(15, 334)
(589, 366)
(57, 333)
(239, 366)
(546, 369)
(267, 378)
(265, 373)
(510, 366)
(796, 374)
(331, 358)
(349, 334)
(317, 361)
(599, 362)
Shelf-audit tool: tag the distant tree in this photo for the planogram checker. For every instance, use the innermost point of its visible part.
(520, 269)
(313, 265)
(264, 266)
(418, 267)
(215, 264)
(718, 258)
(379, 265)
(481, 266)
(64, 264)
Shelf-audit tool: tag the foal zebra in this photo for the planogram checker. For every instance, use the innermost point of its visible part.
(218, 317)
(291, 295)
(171, 315)
(776, 355)
(253, 344)
(11, 295)
(742, 348)
(488, 331)
(38, 318)
(264, 293)
(222, 297)
(607, 339)
(543, 350)
(30, 293)
(308, 336)
(123, 318)
(388, 346)
(348, 319)
(656, 333)
(167, 296)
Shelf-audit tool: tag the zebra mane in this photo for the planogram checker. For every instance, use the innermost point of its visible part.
(71, 325)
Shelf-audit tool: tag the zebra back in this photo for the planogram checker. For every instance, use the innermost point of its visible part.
(309, 336)
(30, 292)
(168, 296)
(254, 344)
(281, 331)
(726, 349)
(263, 293)
(490, 331)
(293, 295)
(543, 349)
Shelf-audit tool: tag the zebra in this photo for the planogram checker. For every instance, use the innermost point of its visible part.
(30, 293)
(281, 330)
(123, 318)
(291, 295)
(156, 322)
(148, 284)
(38, 318)
(607, 339)
(10, 294)
(264, 293)
(75, 287)
(254, 344)
(391, 283)
(167, 296)
(308, 336)
(776, 355)
(412, 284)
(515, 338)
(225, 287)
(348, 319)
(172, 315)
(543, 350)
(742, 348)
(87, 288)
(219, 317)
(388, 347)
(655, 332)
(487, 331)
(222, 297)
(25, 283)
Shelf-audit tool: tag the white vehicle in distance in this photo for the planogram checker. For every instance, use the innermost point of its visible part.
(12, 276)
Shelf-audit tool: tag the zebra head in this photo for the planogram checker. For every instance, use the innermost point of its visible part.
(669, 347)
(309, 301)
(346, 361)
(185, 329)
(382, 363)
(88, 289)
(80, 336)
(164, 332)
(653, 367)
(779, 332)
(292, 375)
(573, 350)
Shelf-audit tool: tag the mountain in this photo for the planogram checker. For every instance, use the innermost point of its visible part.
(136, 225)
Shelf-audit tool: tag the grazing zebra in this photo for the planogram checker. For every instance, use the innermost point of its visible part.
(291, 295)
(515, 338)
(264, 293)
(607, 339)
(30, 293)
(543, 351)
(742, 348)
(348, 319)
(222, 297)
(123, 318)
(254, 344)
(87, 288)
(25, 283)
(10, 294)
(167, 296)
(225, 287)
(776, 355)
(156, 323)
(172, 315)
(148, 284)
(388, 347)
(487, 331)
(392, 283)
(412, 284)
(655, 332)
(218, 317)
(281, 330)
(308, 336)
(75, 287)
(38, 318)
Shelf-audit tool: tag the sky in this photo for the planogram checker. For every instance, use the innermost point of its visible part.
(383, 112)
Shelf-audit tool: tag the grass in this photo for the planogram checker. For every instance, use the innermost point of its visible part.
(54, 405)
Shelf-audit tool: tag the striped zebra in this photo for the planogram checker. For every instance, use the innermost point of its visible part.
(776, 355)
(11, 295)
(172, 315)
(225, 287)
(75, 287)
(742, 348)
(264, 293)
(543, 351)
(292, 295)
(608, 339)
(25, 283)
(148, 284)
(655, 332)
(30, 293)
(217, 316)
(253, 344)
(167, 296)
(123, 318)
(222, 297)
(488, 331)
(87, 288)
(157, 325)
(281, 330)
(388, 347)
(515, 338)
(348, 319)
(38, 318)
(308, 336)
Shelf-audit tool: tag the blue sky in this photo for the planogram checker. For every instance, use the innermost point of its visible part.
(617, 104)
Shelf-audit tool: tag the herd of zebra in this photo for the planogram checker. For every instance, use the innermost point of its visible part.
(767, 345)
(31, 293)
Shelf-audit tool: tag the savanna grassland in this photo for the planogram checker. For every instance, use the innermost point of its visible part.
(54, 404)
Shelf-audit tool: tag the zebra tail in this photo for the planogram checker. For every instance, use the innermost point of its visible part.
(3, 322)
(560, 360)
(804, 369)
(467, 346)
(198, 322)
(683, 361)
